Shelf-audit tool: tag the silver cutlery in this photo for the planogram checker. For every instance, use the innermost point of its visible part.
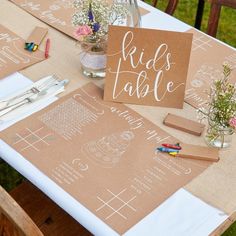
(47, 82)
(51, 91)
(39, 90)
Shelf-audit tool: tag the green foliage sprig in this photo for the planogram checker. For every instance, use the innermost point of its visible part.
(221, 108)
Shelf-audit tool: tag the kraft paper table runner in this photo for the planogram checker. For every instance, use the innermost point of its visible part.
(56, 13)
(13, 56)
(114, 171)
(206, 60)
(216, 186)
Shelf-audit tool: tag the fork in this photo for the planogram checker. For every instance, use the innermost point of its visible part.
(55, 89)
(34, 90)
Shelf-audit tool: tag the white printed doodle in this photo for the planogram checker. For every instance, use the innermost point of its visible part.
(207, 57)
(8, 38)
(201, 43)
(123, 204)
(32, 139)
(205, 75)
(64, 3)
(6, 53)
(231, 60)
(47, 14)
(172, 165)
(89, 102)
(79, 164)
(107, 151)
(33, 6)
(68, 118)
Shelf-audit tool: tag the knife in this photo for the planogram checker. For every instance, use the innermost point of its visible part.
(49, 92)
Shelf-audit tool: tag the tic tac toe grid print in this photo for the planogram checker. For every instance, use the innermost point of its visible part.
(120, 201)
(32, 140)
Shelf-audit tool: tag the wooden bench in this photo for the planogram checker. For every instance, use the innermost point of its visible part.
(171, 6)
(27, 211)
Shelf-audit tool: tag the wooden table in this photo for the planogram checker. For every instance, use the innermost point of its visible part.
(216, 186)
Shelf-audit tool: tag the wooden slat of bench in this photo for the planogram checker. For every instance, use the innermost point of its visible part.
(50, 218)
(14, 220)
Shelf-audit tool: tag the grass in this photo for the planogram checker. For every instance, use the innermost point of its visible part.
(9, 178)
(186, 11)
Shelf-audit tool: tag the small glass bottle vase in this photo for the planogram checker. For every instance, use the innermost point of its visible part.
(93, 59)
(134, 16)
(218, 136)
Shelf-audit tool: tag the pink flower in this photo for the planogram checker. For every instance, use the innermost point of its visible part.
(82, 31)
(232, 122)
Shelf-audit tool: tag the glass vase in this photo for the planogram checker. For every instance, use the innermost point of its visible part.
(93, 59)
(134, 16)
(217, 136)
(93, 54)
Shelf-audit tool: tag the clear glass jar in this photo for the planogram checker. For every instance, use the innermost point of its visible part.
(93, 54)
(218, 136)
(93, 59)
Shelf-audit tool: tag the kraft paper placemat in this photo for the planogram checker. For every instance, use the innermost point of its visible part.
(113, 170)
(207, 58)
(56, 13)
(13, 56)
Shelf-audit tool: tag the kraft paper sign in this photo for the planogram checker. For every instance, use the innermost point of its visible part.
(113, 170)
(147, 67)
(56, 13)
(13, 56)
(207, 58)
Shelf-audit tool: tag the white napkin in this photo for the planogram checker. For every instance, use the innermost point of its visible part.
(10, 85)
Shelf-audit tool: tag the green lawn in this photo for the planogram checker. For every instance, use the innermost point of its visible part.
(186, 12)
(9, 178)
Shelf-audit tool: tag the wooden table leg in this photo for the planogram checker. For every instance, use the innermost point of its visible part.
(200, 9)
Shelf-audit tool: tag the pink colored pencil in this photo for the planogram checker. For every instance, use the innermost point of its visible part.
(47, 48)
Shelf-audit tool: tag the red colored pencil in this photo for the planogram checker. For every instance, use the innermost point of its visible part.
(171, 146)
(47, 47)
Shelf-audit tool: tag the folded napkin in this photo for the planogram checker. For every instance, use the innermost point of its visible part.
(11, 85)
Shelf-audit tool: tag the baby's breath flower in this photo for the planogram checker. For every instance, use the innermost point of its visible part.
(99, 14)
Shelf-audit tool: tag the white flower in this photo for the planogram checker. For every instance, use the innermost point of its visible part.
(103, 13)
